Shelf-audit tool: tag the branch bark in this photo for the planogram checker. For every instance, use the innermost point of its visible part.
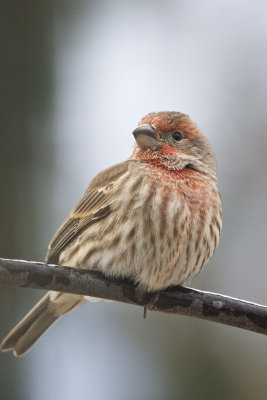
(175, 300)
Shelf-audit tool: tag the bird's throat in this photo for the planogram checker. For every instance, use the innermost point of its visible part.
(162, 170)
(162, 158)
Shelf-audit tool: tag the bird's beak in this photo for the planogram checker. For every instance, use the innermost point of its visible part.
(146, 137)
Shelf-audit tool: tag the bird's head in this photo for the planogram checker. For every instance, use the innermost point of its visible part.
(175, 141)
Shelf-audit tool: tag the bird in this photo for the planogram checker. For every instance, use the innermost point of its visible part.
(154, 218)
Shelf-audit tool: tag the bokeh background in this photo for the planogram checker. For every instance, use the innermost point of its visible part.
(76, 78)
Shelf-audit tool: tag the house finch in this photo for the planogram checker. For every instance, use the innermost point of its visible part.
(154, 218)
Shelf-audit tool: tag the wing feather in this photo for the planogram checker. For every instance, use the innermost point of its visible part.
(94, 205)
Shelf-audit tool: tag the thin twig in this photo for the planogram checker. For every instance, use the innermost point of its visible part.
(175, 300)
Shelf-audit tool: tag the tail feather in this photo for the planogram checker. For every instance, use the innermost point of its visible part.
(38, 320)
(19, 330)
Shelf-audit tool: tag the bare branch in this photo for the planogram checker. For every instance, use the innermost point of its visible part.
(175, 300)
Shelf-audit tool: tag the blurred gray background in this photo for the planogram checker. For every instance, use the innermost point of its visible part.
(76, 78)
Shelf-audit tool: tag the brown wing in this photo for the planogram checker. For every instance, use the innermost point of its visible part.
(93, 207)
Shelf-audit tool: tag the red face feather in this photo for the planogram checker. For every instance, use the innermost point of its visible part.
(171, 121)
(167, 150)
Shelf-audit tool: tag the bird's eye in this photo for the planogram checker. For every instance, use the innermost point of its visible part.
(177, 136)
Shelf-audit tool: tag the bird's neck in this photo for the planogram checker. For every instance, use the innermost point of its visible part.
(172, 160)
(159, 168)
(159, 159)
